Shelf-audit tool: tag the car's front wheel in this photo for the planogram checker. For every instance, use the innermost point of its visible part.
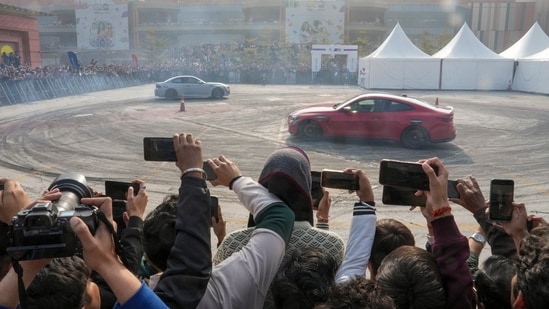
(415, 137)
(310, 130)
(172, 94)
(217, 93)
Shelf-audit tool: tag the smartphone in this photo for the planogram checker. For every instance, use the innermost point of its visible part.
(316, 189)
(402, 196)
(338, 180)
(210, 174)
(1, 186)
(501, 199)
(214, 203)
(452, 189)
(403, 174)
(159, 149)
(118, 190)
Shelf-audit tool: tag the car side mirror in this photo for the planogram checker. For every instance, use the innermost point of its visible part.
(346, 109)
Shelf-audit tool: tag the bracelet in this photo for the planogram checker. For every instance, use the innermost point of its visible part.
(321, 219)
(194, 169)
(439, 212)
(232, 182)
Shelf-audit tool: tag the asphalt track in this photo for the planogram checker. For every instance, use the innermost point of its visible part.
(500, 135)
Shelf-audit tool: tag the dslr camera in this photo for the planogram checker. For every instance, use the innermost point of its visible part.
(43, 230)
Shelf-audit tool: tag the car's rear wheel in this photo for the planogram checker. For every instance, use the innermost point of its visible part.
(172, 94)
(217, 93)
(310, 130)
(415, 137)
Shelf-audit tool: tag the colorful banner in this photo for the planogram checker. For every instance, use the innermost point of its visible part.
(102, 24)
(74, 61)
(315, 21)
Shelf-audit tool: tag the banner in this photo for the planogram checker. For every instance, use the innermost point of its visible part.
(102, 24)
(135, 63)
(315, 21)
(74, 61)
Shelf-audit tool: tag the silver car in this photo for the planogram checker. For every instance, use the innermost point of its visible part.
(190, 87)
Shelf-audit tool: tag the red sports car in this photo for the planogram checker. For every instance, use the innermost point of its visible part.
(413, 122)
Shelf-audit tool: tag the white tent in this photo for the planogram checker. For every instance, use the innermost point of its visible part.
(532, 74)
(467, 64)
(398, 64)
(533, 41)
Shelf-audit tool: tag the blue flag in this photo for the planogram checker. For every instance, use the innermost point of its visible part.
(74, 61)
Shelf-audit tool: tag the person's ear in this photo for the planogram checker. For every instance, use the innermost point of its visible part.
(519, 301)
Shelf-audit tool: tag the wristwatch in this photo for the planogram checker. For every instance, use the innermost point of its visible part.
(478, 238)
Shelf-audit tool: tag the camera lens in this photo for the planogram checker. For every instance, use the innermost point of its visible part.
(73, 187)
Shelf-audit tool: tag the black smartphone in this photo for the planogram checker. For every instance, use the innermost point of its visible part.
(452, 189)
(402, 196)
(338, 180)
(403, 174)
(214, 203)
(501, 199)
(118, 190)
(159, 149)
(210, 174)
(1, 186)
(316, 189)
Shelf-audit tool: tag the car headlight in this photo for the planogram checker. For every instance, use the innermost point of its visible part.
(292, 119)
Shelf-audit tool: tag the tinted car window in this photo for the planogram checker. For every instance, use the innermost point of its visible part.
(398, 107)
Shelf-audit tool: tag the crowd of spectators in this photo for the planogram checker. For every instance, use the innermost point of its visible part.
(165, 260)
(212, 62)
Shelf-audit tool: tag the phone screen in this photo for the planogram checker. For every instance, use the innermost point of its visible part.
(402, 196)
(338, 180)
(501, 199)
(403, 174)
(316, 189)
(118, 190)
(159, 149)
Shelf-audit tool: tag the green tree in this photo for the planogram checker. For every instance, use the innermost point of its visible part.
(362, 44)
(155, 46)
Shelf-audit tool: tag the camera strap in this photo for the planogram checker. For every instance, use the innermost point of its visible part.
(20, 284)
(118, 247)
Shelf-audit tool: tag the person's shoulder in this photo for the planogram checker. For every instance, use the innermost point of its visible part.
(239, 235)
(314, 234)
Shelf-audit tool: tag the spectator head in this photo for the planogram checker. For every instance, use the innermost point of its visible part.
(410, 276)
(390, 234)
(493, 282)
(529, 287)
(63, 283)
(304, 279)
(357, 293)
(159, 232)
(287, 174)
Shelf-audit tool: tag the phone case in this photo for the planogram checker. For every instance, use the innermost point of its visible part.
(501, 199)
(338, 180)
(159, 149)
(402, 197)
(403, 174)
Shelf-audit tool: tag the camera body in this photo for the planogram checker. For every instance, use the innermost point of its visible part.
(44, 231)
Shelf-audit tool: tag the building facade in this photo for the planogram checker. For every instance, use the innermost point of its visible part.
(112, 29)
(19, 37)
